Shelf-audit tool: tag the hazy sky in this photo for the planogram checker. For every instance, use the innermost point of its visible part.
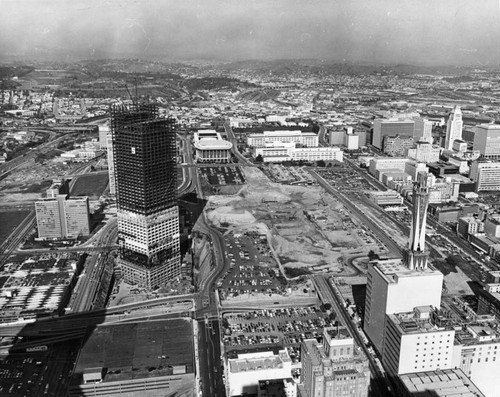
(382, 31)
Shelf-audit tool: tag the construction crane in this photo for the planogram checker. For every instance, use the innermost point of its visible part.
(134, 102)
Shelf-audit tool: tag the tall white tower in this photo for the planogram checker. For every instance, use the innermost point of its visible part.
(453, 128)
(416, 256)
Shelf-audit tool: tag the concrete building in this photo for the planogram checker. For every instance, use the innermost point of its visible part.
(334, 368)
(211, 148)
(245, 371)
(467, 226)
(278, 152)
(277, 388)
(442, 383)
(144, 154)
(394, 288)
(103, 136)
(111, 164)
(351, 139)
(422, 130)
(487, 140)
(312, 154)
(397, 145)
(424, 152)
(390, 127)
(307, 139)
(379, 165)
(336, 137)
(412, 168)
(492, 226)
(486, 175)
(62, 217)
(477, 354)
(416, 342)
(453, 128)
(389, 197)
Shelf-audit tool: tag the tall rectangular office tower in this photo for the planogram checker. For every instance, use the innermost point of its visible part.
(146, 194)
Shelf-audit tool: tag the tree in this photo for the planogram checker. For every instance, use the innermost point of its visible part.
(320, 163)
(372, 255)
(259, 159)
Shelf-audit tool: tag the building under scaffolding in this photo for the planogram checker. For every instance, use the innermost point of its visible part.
(144, 155)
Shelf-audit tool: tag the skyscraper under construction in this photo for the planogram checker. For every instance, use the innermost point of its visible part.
(146, 191)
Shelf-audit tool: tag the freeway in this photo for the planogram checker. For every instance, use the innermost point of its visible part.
(17, 236)
(57, 326)
(380, 385)
(8, 167)
(206, 302)
(232, 138)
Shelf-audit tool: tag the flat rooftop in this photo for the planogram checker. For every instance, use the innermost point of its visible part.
(138, 350)
(442, 383)
(396, 267)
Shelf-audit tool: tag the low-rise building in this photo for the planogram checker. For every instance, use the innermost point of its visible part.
(245, 371)
(389, 197)
(211, 148)
(307, 139)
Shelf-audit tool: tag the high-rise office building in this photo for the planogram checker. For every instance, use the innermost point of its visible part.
(390, 127)
(453, 128)
(423, 130)
(486, 175)
(103, 136)
(487, 140)
(111, 163)
(335, 367)
(61, 216)
(144, 156)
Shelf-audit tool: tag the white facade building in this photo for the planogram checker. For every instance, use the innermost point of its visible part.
(486, 175)
(424, 152)
(103, 136)
(111, 164)
(379, 165)
(308, 139)
(453, 128)
(211, 148)
(415, 343)
(422, 130)
(278, 152)
(245, 372)
(394, 288)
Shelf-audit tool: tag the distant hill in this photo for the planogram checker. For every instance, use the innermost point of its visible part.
(213, 83)
(314, 66)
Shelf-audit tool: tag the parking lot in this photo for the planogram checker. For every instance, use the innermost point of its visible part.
(344, 179)
(221, 176)
(288, 175)
(252, 266)
(286, 327)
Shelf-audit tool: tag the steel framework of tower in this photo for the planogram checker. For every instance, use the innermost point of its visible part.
(416, 256)
(144, 156)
